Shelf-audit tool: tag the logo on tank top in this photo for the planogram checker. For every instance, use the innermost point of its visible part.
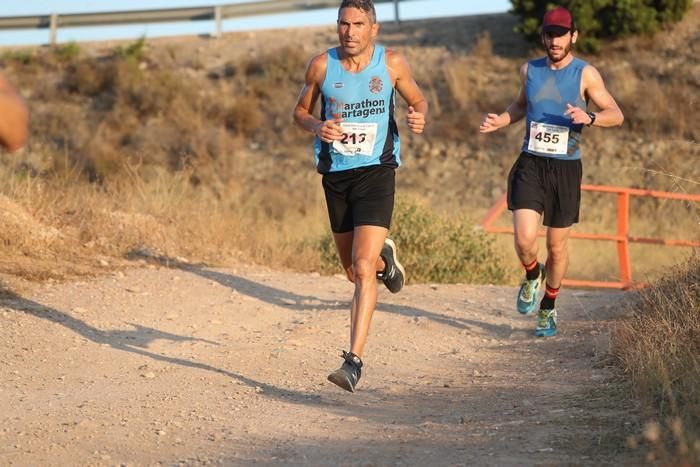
(376, 85)
(362, 109)
(336, 108)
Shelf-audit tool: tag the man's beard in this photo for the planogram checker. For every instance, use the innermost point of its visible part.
(567, 50)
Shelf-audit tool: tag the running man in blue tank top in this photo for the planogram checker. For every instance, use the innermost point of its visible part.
(546, 178)
(357, 150)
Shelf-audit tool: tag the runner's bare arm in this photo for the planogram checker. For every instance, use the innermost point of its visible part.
(401, 74)
(594, 88)
(14, 129)
(515, 111)
(328, 130)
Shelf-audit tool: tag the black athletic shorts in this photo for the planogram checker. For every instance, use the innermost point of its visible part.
(363, 196)
(546, 185)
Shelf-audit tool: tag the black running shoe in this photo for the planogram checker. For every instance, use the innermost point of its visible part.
(393, 274)
(349, 373)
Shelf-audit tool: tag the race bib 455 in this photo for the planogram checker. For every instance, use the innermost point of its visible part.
(548, 139)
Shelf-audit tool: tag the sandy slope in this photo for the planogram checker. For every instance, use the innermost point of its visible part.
(199, 366)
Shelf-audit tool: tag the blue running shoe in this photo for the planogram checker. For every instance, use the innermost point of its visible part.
(546, 323)
(529, 293)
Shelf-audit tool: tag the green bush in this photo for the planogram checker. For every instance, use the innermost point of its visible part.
(67, 52)
(135, 51)
(602, 19)
(22, 57)
(434, 248)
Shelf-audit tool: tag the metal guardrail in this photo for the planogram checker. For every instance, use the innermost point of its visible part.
(217, 13)
(622, 237)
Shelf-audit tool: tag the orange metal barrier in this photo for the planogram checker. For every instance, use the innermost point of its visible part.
(623, 238)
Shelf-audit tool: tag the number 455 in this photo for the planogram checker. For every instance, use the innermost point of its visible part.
(547, 137)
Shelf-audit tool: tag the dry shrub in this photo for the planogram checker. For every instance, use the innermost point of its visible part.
(244, 116)
(659, 349)
(89, 78)
(622, 77)
(657, 114)
(483, 47)
(473, 85)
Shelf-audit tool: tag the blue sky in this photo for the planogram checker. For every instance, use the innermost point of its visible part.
(385, 12)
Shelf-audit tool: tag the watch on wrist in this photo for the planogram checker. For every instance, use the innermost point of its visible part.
(592, 116)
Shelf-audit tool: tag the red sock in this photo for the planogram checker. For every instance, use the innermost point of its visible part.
(551, 292)
(532, 270)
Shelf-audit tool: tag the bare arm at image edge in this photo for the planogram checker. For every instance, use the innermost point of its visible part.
(14, 118)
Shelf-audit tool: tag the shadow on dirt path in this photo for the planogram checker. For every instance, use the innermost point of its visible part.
(293, 301)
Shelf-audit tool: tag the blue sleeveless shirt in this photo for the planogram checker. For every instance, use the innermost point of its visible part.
(364, 101)
(548, 132)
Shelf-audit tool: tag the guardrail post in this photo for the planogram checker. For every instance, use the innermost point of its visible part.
(397, 19)
(623, 227)
(53, 29)
(218, 21)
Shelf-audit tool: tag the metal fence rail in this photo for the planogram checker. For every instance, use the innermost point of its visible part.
(622, 236)
(217, 13)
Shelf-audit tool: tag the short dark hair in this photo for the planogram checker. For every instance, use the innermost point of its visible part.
(365, 5)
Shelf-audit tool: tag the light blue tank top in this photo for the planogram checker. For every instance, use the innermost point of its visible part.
(364, 101)
(548, 132)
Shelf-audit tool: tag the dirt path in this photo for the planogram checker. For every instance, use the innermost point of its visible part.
(199, 366)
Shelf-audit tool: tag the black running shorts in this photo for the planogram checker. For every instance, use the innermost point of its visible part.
(363, 196)
(546, 185)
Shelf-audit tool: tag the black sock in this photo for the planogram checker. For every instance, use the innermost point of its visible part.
(533, 272)
(550, 295)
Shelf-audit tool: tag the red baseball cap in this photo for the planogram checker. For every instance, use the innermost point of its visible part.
(558, 20)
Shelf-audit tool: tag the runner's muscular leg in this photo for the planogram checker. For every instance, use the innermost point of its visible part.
(557, 255)
(526, 222)
(367, 244)
(343, 242)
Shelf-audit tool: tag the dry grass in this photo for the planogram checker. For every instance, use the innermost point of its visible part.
(659, 348)
(66, 226)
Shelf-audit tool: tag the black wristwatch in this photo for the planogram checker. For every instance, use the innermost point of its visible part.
(592, 116)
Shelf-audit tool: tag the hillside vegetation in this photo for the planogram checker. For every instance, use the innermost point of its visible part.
(185, 146)
(658, 348)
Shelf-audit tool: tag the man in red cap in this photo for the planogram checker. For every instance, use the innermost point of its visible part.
(546, 178)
